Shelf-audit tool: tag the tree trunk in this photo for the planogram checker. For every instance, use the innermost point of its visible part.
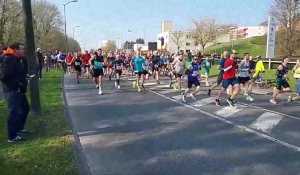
(31, 57)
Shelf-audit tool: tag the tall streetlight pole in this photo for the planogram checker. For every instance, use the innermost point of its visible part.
(66, 37)
(73, 30)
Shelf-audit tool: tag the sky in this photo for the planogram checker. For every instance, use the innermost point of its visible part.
(111, 19)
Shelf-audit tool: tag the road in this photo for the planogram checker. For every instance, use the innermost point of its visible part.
(154, 133)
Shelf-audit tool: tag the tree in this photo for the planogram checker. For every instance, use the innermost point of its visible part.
(128, 45)
(178, 38)
(204, 31)
(30, 53)
(140, 41)
(286, 13)
(110, 46)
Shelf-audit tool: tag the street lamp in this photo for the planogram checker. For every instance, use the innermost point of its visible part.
(66, 37)
(74, 29)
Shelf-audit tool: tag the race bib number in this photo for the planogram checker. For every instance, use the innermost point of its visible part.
(77, 63)
(98, 65)
(119, 67)
(156, 66)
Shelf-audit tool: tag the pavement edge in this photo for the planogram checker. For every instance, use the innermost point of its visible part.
(83, 168)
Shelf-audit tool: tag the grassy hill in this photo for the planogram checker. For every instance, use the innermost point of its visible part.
(255, 46)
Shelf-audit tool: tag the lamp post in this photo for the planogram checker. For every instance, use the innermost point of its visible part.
(231, 33)
(73, 30)
(66, 37)
(127, 37)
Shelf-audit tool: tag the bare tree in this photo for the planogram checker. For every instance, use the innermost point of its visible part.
(110, 46)
(46, 19)
(287, 14)
(204, 31)
(178, 38)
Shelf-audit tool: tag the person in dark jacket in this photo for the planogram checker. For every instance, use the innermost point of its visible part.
(40, 58)
(14, 71)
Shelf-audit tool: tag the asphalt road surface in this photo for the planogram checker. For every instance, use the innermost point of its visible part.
(154, 133)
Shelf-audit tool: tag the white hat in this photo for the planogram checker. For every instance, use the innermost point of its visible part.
(38, 49)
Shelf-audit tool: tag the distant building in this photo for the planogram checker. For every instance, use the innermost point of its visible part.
(102, 43)
(249, 32)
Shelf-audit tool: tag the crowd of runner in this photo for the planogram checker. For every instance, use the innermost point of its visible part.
(233, 71)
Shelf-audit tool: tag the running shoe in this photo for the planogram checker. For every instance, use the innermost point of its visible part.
(134, 84)
(119, 87)
(209, 92)
(100, 93)
(97, 86)
(16, 139)
(207, 84)
(116, 84)
(184, 99)
(143, 86)
(273, 101)
(217, 102)
(290, 99)
(193, 97)
(246, 94)
(139, 89)
(230, 102)
(157, 82)
(249, 98)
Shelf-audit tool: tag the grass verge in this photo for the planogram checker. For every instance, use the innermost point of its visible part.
(49, 146)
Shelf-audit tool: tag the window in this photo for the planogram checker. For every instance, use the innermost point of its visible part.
(188, 44)
(187, 36)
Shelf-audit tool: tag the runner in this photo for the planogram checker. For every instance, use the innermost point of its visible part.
(229, 79)
(146, 67)
(296, 71)
(97, 63)
(193, 75)
(206, 67)
(85, 61)
(110, 60)
(118, 67)
(138, 62)
(281, 79)
(77, 66)
(69, 59)
(127, 64)
(156, 67)
(245, 72)
(179, 66)
(221, 68)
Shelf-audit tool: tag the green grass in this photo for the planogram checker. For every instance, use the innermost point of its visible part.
(49, 146)
(255, 46)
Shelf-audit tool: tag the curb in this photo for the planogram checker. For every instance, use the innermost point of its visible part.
(83, 168)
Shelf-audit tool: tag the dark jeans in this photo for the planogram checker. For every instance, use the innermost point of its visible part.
(18, 109)
(40, 70)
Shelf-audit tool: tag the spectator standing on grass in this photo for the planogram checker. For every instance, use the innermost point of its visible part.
(13, 74)
(40, 58)
(296, 71)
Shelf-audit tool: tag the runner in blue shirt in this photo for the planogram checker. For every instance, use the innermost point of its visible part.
(193, 75)
(138, 62)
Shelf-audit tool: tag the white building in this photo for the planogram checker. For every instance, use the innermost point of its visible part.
(167, 33)
(102, 43)
(249, 32)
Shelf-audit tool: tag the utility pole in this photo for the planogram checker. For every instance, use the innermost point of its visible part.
(31, 57)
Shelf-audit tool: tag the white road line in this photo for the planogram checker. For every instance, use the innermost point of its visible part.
(227, 111)
(167, 91)
(177, 97)
(203, 102)
(149, 84)
(288, 145)
(266, 122)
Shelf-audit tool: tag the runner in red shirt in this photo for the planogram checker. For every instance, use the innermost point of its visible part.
(85, 62)
(69, 59)
(229, 79)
